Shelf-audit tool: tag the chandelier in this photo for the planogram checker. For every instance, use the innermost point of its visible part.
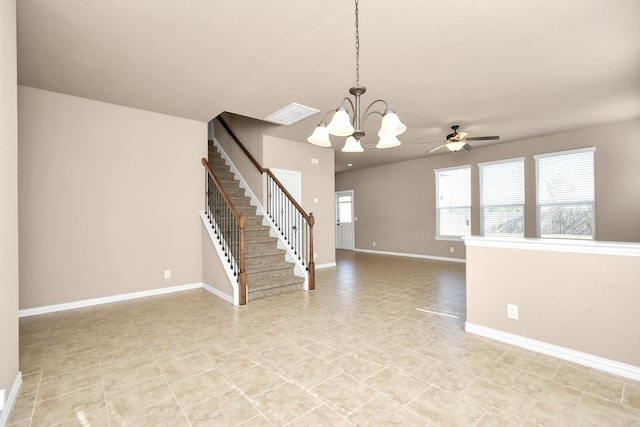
(348, 121)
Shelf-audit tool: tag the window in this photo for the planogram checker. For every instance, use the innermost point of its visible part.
(502, 198)
(453, 201)
(565, 194)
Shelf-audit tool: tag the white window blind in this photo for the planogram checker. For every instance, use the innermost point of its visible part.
(502, 198)
(565, 194)
(453, 204)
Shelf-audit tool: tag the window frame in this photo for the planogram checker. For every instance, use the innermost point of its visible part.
(482, 205)
(543, 156)
(437, 173)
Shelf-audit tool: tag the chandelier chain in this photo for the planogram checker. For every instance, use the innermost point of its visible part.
(357, 47)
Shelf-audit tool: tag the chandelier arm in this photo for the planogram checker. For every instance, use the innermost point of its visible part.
(366, 112)
(364, 118)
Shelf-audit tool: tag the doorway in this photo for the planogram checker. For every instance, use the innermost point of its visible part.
(344, 220)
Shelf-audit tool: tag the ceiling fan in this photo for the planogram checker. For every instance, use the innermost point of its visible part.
(457, 141)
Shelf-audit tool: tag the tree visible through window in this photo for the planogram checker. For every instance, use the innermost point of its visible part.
(453, 204)
(565, 194)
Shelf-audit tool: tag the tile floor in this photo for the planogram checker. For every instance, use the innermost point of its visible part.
(354, 352)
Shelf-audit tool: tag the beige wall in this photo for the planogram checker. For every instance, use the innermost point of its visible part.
(395, 204)
(581, 301)
(109, 199)
(213, 270)
(8, 198)
(317, 183)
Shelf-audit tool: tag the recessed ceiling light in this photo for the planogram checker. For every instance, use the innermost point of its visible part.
(291, 114)
(349, 164)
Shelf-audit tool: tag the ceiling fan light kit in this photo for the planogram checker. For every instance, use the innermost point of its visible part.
(352, 126)
(457, 141)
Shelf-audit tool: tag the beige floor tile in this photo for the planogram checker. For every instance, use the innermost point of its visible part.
(403, 359)
(344, 394)
(543, 389)
(108, 345)
(444, 376)
(30, 383)
(528, 361)
(492, 420)
(605, 412)
(285, 403)
(238, 360)
(226, 409)
(593, 383)
(59, 366)
(286, 354)
(216, 347)
(357, 365)
(66, 383)
(321, 416)
(198, 388)
(445, 409)
(62, 408)
(382, 411)
(311, 372)
(257, 421)
(22, 408)
(29, 364)
(193, 364)
(555, 414)
(325, 352)
(501, 400)
(395, 385)
(162, 414)
(125, 402)
(68, 335)
(496, 372)
(258, 380)
(117, 375)
(97, 418)
(175, 350)
(631, 396)
(82, 345)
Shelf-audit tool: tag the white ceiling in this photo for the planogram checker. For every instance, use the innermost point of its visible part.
(496, 67)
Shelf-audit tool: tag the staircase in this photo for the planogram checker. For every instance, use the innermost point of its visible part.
(268, 273)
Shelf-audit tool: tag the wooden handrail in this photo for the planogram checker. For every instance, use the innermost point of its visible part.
(262, 169)
(307, 216)
(225, 196)
(242, 220)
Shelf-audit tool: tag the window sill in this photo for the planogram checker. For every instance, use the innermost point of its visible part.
(449, 238)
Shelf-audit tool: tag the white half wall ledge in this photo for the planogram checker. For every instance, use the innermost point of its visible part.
(585, 359)
(26, 312)
(556, 245)
(11, 400)
(327, 265)
(218, 293)
(408, 255)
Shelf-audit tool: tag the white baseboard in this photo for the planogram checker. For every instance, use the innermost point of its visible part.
(11, 400)
(104, 300)
(585, 359)
(435, 258)
(218, 293)
(327, 265)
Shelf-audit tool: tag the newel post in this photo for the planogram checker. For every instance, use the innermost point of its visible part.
(312, 264)
(242, 275)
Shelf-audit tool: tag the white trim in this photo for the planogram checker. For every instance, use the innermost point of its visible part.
(497, 162)
(556, 245)
(327, 265)
(218, 293)
(585, 359)
(218, 248)
(565, 152)
(452, 168)
(11, 400)
(450, 238)
(435, 258)
(105, 300)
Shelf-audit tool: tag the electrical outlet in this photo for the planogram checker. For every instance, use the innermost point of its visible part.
(512, 311)
(167, 274)
(374, 243)
(451, 249)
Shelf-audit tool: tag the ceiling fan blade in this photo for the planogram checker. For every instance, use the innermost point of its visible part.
(483, 138)
(428, 142)
(437, 148)
(467, 147)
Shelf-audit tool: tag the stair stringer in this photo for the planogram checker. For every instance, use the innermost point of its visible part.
(299, 269)
(233, 281)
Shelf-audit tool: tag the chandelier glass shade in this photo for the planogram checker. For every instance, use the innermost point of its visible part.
(348, 120)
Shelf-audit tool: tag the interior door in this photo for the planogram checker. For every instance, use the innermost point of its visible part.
(292, 181)
(344, 220)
